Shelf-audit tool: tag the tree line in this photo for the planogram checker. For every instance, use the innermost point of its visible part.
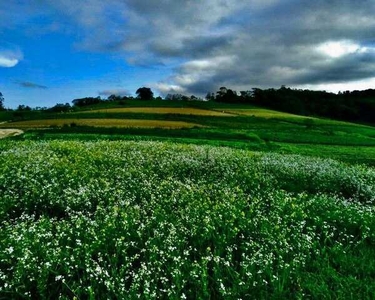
(358, 106)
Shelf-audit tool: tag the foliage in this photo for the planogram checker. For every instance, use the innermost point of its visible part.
(86, 101)
(358, 106)
(60, 108)
(180, 97)
(145, 93)
(22, 107)
(160, 220)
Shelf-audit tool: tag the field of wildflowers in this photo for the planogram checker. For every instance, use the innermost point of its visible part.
(153, 220)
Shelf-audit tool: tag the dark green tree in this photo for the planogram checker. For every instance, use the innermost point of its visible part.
(145, 93)
(22, 107)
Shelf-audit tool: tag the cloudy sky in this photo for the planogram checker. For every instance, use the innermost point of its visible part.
(56, 50)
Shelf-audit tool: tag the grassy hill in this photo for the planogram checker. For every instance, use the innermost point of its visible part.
(234, 125)
(141, 201)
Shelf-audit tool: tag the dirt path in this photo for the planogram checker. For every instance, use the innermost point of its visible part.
(9, 132)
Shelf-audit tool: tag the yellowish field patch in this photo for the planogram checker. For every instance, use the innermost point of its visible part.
(9, 132)
(100, 123)
(163, 110)
(262, 113)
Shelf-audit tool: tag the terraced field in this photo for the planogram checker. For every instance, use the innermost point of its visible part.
(120, 123)
(261, 113)
(164, 110)
(240, 126)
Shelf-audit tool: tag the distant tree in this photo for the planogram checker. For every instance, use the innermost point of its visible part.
(60, 108)
(1, 101)
(86, 101)
(173, 97)
(179, 97)
(23, 108)
(210, 96)
(223, 90)
(246, 96)
(227, 95)
(145, 93)
(114, 97)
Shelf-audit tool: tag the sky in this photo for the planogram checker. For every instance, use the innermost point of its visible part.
(53, 51)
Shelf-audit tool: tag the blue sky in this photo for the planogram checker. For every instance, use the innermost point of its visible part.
(53, 51)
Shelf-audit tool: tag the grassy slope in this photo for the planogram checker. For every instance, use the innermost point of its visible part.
(146, 220)
(265, 225)
(238, 125)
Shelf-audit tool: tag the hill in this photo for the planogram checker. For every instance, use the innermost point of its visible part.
(235, 125)
(142, 198)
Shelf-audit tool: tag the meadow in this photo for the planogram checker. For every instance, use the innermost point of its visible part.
(267, 206)
(148, 220)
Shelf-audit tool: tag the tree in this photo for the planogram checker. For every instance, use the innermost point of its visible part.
(177, 97)
(1, 101)
(114, 97)
(22, 107)
(60, 108)
(86, 101)
(210, 96)
(226, 95)
(145, 93)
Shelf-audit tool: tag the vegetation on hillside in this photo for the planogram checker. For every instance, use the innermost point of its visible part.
(142, 220)
(355, 106)
(91, 206)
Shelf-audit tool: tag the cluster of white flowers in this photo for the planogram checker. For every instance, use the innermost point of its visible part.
(160, 220)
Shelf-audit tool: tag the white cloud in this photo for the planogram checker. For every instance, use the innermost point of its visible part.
(7, 62)
(206, 64)
(336, 49)
(166, 88)
(10, 55)
(342, 86)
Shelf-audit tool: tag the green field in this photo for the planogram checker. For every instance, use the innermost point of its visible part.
(241, 203)
(124, 220)
(217, 124)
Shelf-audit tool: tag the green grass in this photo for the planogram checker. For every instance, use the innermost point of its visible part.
(161, 220)
(322, 138)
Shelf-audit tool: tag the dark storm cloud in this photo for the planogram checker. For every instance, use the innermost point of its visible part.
(279, 42)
